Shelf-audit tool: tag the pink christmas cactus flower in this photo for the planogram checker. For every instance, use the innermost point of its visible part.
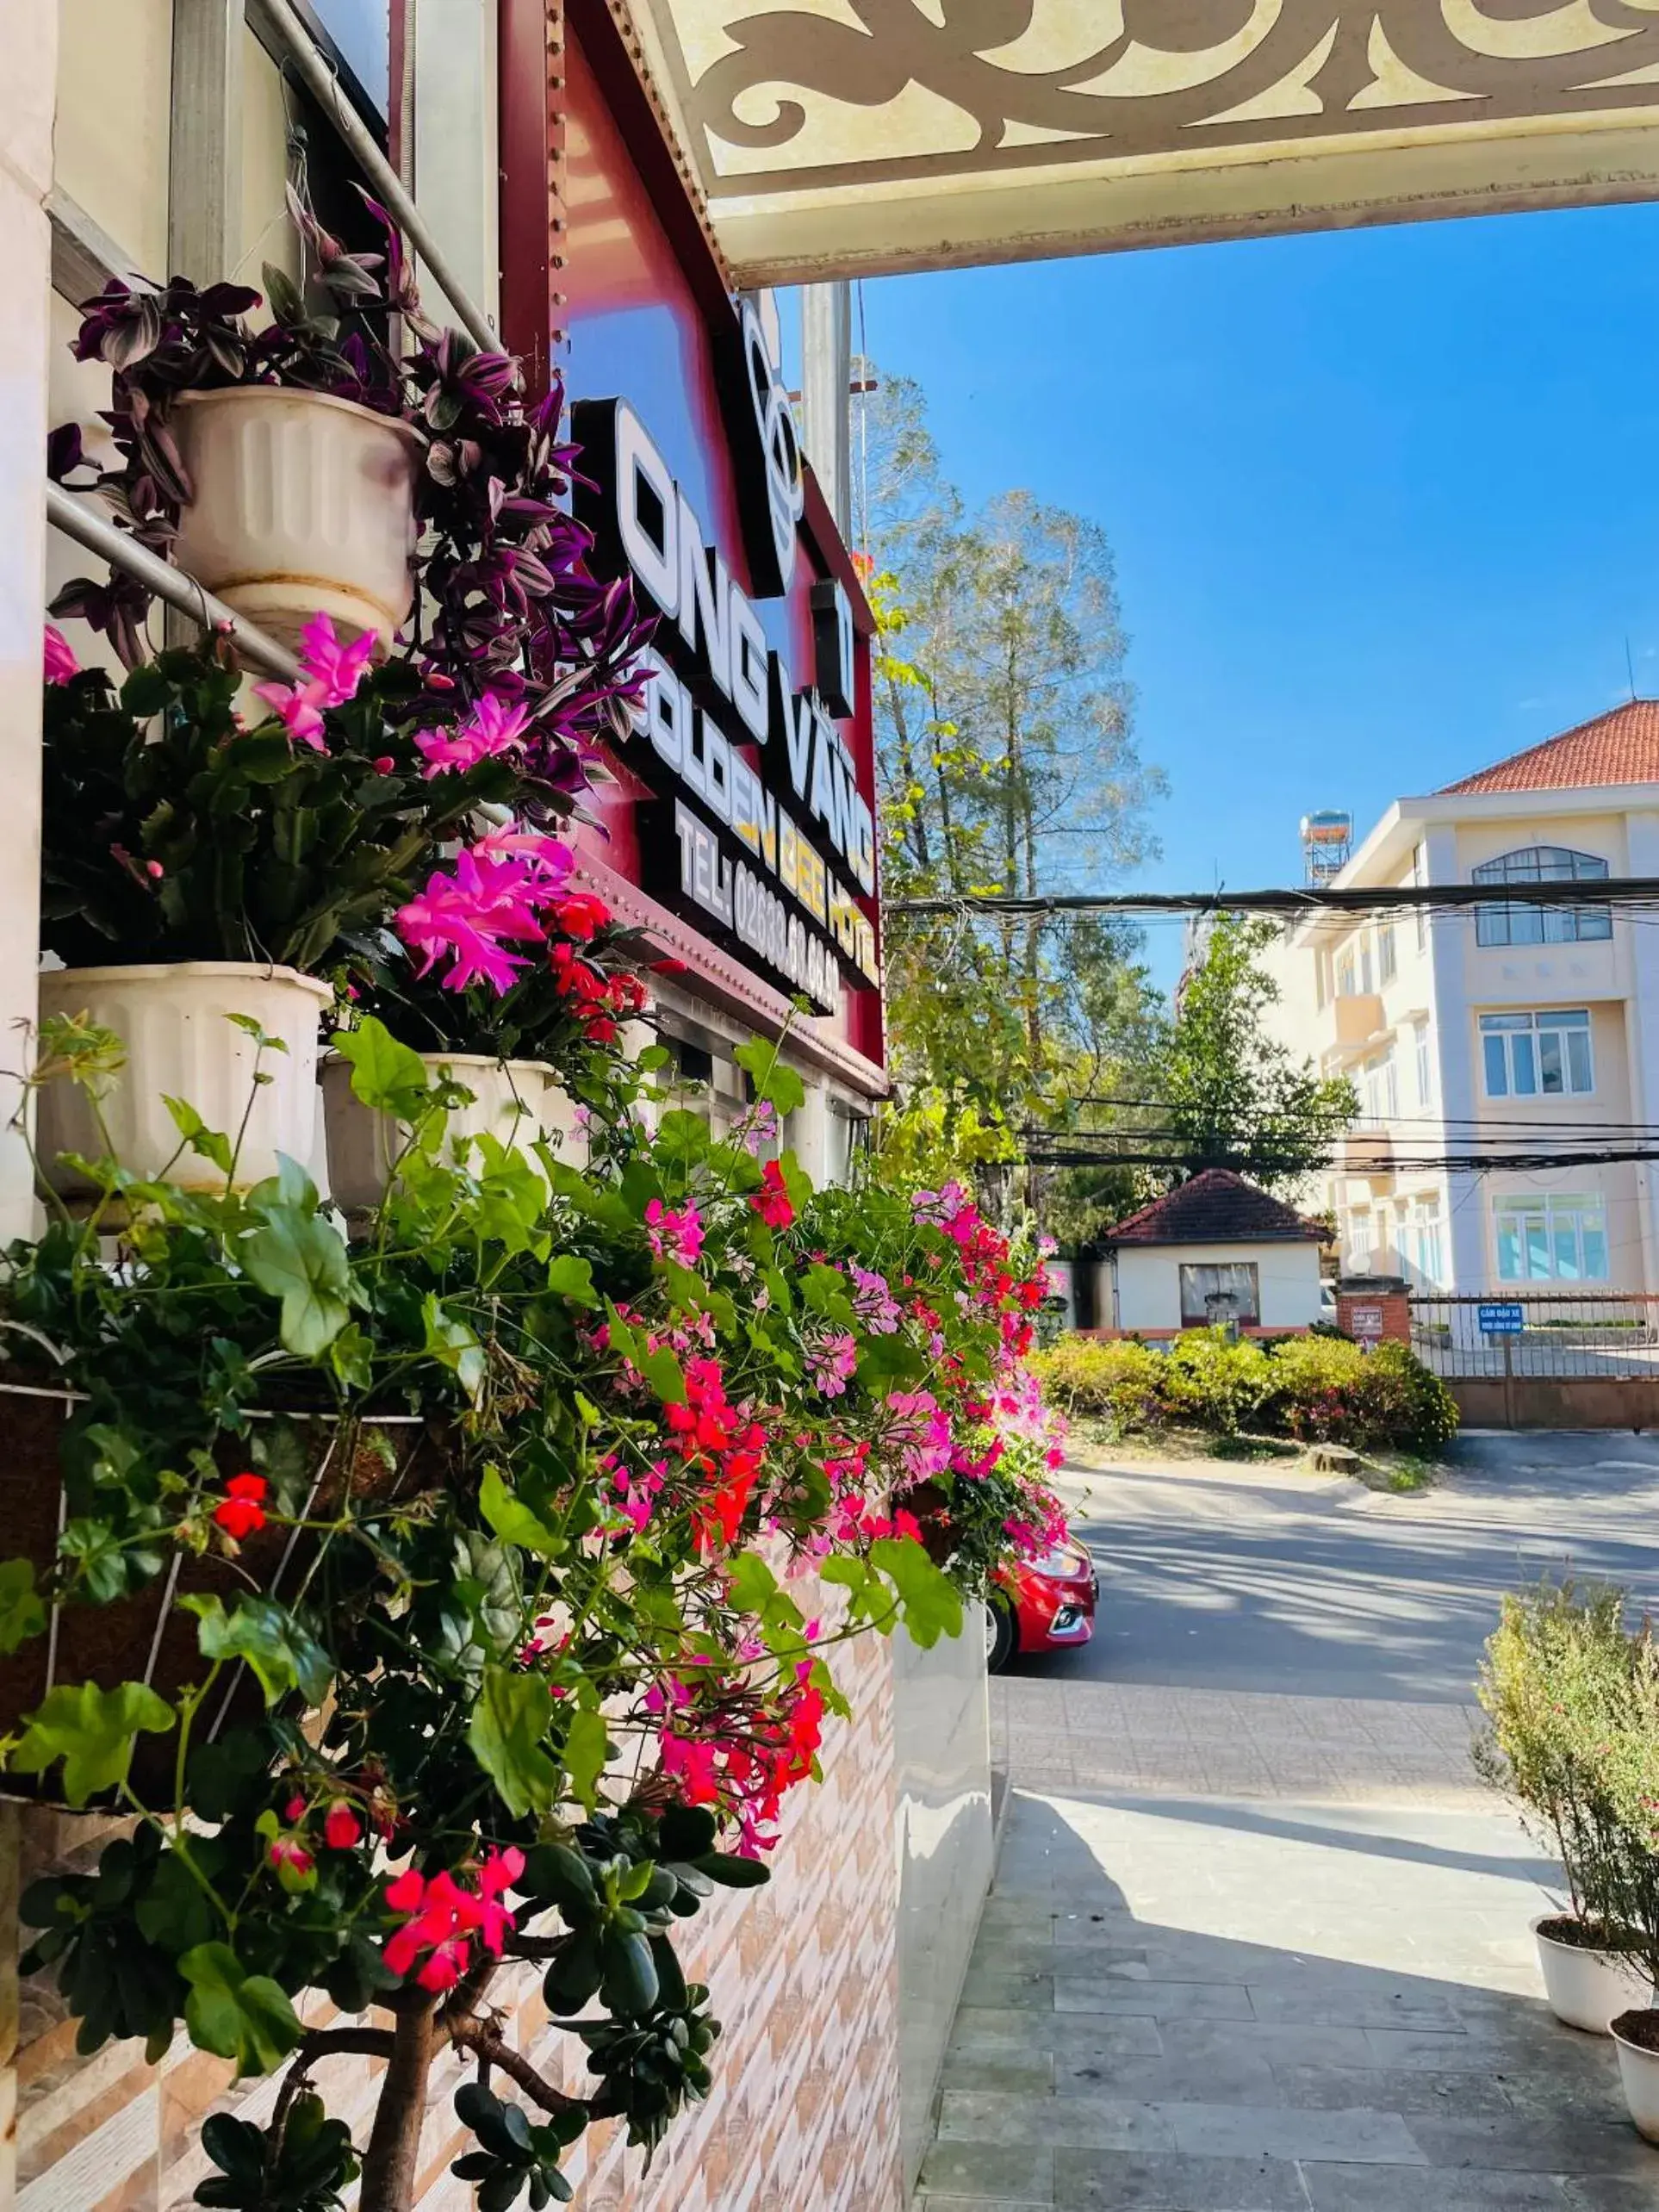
(330, 674)
(494, 898)
(495, 725)
(60, 661)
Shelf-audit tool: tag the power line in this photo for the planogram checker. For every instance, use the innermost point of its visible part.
(1297, 901)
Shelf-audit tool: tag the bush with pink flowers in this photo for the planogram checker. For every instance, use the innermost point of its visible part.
(508, 1542)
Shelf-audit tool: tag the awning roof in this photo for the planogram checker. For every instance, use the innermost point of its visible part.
(833, 137)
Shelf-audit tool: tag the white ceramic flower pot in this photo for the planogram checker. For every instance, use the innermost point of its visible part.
(518, 1102)
(1639, 2070)
(1586, 1988)
(173, 1019)
(304, 504)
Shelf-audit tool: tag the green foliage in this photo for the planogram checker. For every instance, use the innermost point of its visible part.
(305, 2169)
(1571, 1696)
(1006, 763)
(1235, 1095)
(172, 833)
(95, 1732)
(1318, 1388)
(460, 1509)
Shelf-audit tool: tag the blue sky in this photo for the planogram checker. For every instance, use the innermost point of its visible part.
(1385, 503)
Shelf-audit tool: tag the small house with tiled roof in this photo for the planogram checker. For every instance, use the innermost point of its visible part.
(1215, 1249)
(1502, 1051)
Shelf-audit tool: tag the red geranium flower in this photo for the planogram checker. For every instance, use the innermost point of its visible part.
(242, 1510)
(771, 1201)
(581, 915)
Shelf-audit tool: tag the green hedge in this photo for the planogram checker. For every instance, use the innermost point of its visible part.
(1318, 1388)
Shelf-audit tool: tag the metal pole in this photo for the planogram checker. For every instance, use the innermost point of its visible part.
(171, 586)
(297, 42)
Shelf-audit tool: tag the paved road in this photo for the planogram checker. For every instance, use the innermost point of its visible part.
(1256, 1579)
(1259, 1941)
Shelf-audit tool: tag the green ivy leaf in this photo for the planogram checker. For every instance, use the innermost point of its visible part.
(568, 1276)
(237, 2015)
(208, 1144)
(751, 1581)
(508, 1725)
(301, 1259)
(285, 1655)
(931, 1602)
(662, 1370)
(21, 1613)
(450, 1342)
(823, 1291)
(513, 1521)
(93, 1731)
(770, 1078)
(585, 1750)
(387, 1077)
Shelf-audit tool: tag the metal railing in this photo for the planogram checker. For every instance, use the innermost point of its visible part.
(1598, 1333)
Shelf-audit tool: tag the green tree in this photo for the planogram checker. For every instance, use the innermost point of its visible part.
(1007, 764)
(1234, 1095)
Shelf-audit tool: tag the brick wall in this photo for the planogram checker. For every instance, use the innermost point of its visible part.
(804, 2110)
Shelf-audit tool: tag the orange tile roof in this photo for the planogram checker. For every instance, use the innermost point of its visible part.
(1618, 747)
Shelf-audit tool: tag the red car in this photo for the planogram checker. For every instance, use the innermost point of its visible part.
(1043, 1604)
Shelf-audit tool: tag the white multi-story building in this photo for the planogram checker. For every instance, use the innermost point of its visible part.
(1508, 1028)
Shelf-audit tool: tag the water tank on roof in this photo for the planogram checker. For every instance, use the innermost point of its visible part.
(1327, 843)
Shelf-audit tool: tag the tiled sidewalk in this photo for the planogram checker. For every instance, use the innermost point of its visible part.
(1128, 1737)
(1206, 2004)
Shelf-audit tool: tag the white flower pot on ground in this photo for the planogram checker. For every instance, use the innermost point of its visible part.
(1586, 1987)
(518, 1102)
(173, 1018)
(304, 504)
(1638, 2070)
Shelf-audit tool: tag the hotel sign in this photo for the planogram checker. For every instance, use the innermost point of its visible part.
(759, 830)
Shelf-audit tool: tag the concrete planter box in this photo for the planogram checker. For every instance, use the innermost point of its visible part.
(304, 504)
(174, 1019)
(518, 1102)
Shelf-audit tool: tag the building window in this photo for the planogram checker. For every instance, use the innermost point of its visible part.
(1385, 960)
(1209, 1295)
(1534, 1055)
(1360, 1241)
(1426, 1242)
(1381, 1089)
(1346, 976)
(1424, 1065)
(360, 33)
(1550, 1239)
(1367, 978)
(1541, 925)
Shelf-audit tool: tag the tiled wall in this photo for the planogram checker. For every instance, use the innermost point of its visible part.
(805, 2110)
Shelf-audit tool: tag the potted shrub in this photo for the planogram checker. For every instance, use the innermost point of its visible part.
(512, 1704)
(307, 467)
(1555, 1675)
(199, 877)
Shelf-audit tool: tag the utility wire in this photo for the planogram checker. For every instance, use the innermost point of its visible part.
(1297, 901)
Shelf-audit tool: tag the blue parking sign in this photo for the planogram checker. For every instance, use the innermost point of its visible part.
(1501, 1320)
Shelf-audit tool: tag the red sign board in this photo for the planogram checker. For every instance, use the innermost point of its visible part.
(742, 814)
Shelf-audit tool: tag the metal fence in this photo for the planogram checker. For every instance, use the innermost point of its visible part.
(1601, 1333)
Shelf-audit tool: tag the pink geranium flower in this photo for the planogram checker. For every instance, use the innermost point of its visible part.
(330, 674)
(676, 1236)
